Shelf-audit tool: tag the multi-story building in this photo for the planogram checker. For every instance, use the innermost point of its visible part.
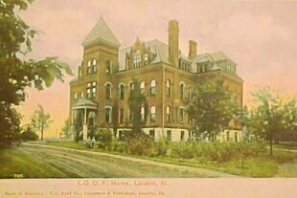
(166, 78)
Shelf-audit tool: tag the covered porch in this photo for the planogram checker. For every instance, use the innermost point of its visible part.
(84, 114)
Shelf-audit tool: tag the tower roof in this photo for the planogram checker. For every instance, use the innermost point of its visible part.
(101, 33)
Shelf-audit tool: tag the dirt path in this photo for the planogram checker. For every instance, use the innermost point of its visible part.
(87, 164)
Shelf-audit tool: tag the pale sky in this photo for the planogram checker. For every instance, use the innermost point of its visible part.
(259, 36)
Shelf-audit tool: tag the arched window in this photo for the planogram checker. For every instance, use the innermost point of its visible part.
(75, 96)
(142, 112)
(181, 90)
(121, 92)
(142, 87)
(181, 114)
(167, 114)
(153, 113)
(94, 62)
(190, 94)
(108, 91)
(121, 115)
(108, 114)
(153, 87)
(89, 63)
(168, 91)
(131, 85)
(108, 67)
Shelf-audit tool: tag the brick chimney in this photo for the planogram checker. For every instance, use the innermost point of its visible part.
(173, 32)
(192, 49)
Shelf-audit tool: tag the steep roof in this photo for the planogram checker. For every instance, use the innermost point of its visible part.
(101, 32)
(158, 48)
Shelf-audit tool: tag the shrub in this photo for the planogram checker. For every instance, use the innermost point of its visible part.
(140, 146)
(29, 135)
(104, 139)
(215, 151)
(120, 146)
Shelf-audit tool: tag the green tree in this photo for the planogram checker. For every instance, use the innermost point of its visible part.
(137, 101)
(10, 121)
(115, 116)
(17, 73)
(244, 119)
(66, 127)
(269, 119)
(211, 107)
(290, 120)
(40, 120)
(28, 134)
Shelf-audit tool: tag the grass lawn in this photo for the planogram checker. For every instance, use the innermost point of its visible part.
(16, 165)
(261, 166)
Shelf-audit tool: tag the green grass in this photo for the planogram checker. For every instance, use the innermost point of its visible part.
(13, 164)
(261, 166)
(290, 146)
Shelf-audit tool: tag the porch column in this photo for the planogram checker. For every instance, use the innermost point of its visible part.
(85, 126)
(72, 125)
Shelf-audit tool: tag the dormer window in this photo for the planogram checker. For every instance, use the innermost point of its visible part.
(137, 59)
(202, 68)
(146, 59)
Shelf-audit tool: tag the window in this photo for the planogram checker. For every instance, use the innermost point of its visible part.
(142, 114)
(108, 91)
(121, 112)
(182, 136)
(181, 90)
(91, 89)
(153, 113)
(131, 117)
(108, 114)
(121, 135)
(121, 92)
(108, 67)
(131, 85)
(169, 135)
(146, 58)
(190, 93)
(92, 66)
(75, 96)
(82, 94)
(167, 114)
(202, 68)
(137, 59)
(153, 87)
(152, 134)
(181, 114)
(168, 91)
(142, 88)
(89, 63)
(91, 119)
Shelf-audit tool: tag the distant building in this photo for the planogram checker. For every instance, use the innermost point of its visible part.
(166, 78)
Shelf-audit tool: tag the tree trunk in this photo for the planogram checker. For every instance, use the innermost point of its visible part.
(41, 134)
(271, 145)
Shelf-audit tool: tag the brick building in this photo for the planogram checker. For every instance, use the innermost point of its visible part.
(166, 78)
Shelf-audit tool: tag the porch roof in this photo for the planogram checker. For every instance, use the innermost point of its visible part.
(85, 104)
